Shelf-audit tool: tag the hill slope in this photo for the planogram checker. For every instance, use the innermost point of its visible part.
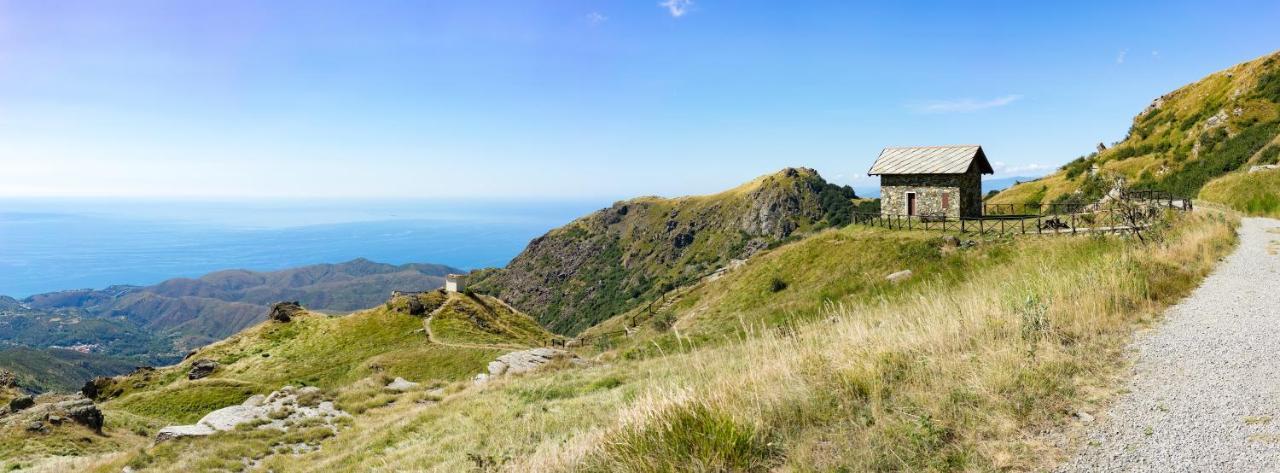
(121, 327)
(614, 259)
(1184, 139)
(219, 304)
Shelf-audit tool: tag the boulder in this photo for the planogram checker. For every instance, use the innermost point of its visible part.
(180, 431)
(279, 410)
(951, 241)
(21, 402)
(82, 411)
(284, 311)
(401, 384)
(528, 360)
(202, 368)
(899, 276)
(35, 426)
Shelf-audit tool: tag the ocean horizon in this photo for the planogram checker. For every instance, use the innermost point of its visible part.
(58, 244)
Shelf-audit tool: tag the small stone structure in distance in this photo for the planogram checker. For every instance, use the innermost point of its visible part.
(455, 283)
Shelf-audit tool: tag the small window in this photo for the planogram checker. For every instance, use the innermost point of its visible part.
(946, 201)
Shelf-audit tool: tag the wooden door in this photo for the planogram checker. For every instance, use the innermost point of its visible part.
(911, 203)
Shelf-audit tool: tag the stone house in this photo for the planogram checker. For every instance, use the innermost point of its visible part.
(455, 283)
(931, 181)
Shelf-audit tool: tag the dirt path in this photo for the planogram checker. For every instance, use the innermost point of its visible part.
(431, 336)
(1205, 394)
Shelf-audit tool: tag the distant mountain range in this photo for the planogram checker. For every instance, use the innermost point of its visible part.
(52, 340)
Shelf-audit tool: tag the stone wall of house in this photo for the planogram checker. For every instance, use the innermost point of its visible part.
(965, 194)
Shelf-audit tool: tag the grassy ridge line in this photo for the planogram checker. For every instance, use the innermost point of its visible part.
(1254, 193)
(956, 376)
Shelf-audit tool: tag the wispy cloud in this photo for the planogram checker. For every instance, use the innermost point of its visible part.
(677, 8)
(1120, 57)
(965, 105)
(1032, 169)
(595, 18)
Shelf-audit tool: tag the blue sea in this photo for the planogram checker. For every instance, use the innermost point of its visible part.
(55, 244)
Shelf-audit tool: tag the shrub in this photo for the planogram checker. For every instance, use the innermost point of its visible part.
(693, 437)
(777, 284)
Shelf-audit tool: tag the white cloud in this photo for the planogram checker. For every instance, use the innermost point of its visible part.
(595, 18)
(1033, 169)
(1120, 57)
(677, 8)
(965, 105)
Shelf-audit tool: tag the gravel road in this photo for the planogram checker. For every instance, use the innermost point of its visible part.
(1205, 395)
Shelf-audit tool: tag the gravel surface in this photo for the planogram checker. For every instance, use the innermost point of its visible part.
(1205, 394)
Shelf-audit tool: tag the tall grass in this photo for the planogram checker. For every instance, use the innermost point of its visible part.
(1254, 193)
(956, 374)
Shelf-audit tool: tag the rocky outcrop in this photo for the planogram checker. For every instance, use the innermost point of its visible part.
(202, 368)
(8, 379)
(283, 312)
(280, 410)
(619, 257)
(401, 385)
(50, 412)
(524, 361)
(21, 402)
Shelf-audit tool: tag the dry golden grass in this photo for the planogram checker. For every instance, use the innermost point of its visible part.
(965, 376)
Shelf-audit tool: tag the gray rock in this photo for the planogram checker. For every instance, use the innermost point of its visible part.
(899, 276)
(285, 311)
(401, 384)
(202, 368)
(181, 431)
(264, 410)
(82, 411)
(21, 402)
(35, 426)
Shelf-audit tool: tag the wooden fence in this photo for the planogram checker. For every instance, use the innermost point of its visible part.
(1133, 210)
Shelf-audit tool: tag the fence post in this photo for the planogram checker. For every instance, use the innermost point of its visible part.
(908, 222)
(1073, 224)
(981, 224)
(962, 225)
(1039, 229)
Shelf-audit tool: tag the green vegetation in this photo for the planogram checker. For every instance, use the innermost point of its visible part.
(316, 350)
(1202, 131)
(44, 370)
(1256, 193)
(954, 372)
(477, 319)
(802, 358)
(571, 279)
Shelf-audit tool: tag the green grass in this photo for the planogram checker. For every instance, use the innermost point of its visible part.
(312, 350)
(963, 367)
(1256, 193)
(471, 318)
(663, 243)
(1174, 148)
(831, 268)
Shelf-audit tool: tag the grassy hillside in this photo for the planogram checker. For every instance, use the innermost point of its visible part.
(213, 306)
(962, 367)
(43, 370)
(1184, 139)
(617, 258)
(1256, 193)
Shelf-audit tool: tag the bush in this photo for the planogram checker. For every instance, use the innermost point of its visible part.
(777, 284)
(690, 437)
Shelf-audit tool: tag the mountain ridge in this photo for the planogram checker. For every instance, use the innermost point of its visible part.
(616, 258)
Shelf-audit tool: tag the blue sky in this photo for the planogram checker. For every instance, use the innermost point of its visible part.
(571, 99)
